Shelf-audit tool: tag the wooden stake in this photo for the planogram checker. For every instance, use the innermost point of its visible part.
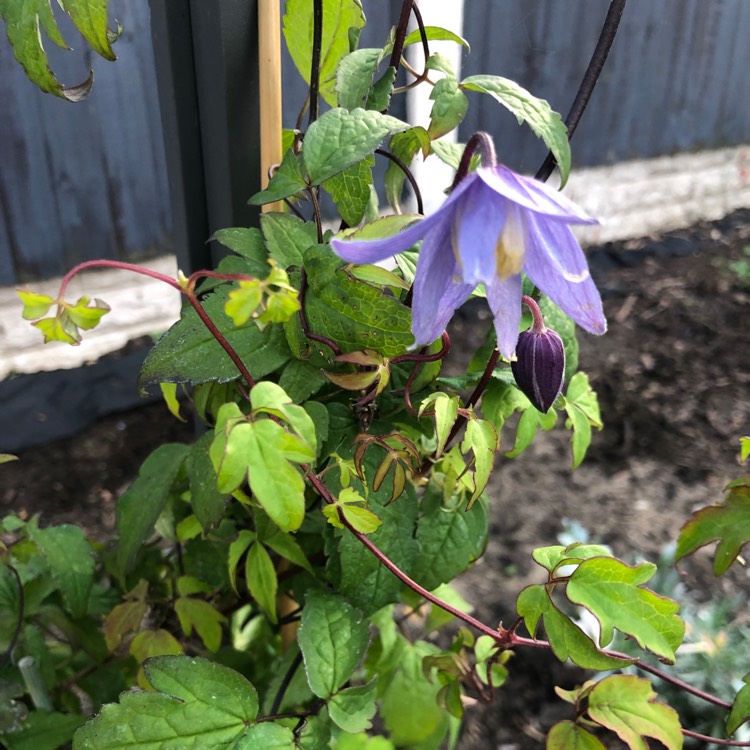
(269, 61)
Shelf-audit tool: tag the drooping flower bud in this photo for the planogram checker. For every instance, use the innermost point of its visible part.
(539, 367)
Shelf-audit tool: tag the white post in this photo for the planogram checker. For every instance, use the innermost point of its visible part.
(434, 176)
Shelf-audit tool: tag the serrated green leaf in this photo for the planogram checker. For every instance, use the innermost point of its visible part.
(58, 329)
(727, 523)
(188, 352)
(354, 314)
(450, 153)
(84, 315)
(567, 640)
(740, 712)
(43, 730)
(205, 499)
(352, 708)
(270, 398)
(71, 563)
(446, 412)
(142, 503)
(288, 179)
(340, 138)
(301, 380)
(361, 519)
(482, 440)
(339, 16)
(26, 18)
(379, 277)
(611, 591)
(261, 579)
(266, 736)
(448, 109)
(582, 408)
(333, 637)
(354, 77)
(627, 705)
(379, 98)
(247, 242)
(287, 237)
(350, 190)
(536, 113)
(449, 540)
(243, 301)
(199, 614)
(566, 735)
(197, 704)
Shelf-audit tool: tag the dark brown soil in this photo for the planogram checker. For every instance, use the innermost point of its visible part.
(672, 376)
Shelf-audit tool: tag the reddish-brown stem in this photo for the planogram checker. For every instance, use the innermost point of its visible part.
(499, 635)
(426, 357)
(536, 313)
(120, 265)
(217, 334)
(480, 140)
(715, 740)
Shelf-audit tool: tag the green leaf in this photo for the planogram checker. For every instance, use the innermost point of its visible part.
(566, 735)
(286, 546)
(449, 108)
(125, 618)
(450, 539)
(247, 242)
(188, 352)
(270, 398)
(354, 77)
(84, 315)
(71, 562)
(301, 380)
(554, 557)
(386, 226)
(537, 113)
(142, 503)
(559, 322)
(34, 305)
(339, 16)
(435, 34)
(361, 519)
(26, 18)
(379, 98)
(264, 449)
(6, 458)
(236, 549)
(197, 704)
(482, 440)
(207, 502)
(169, 394)
(744, 448)
(403, 146)
(446, 412)
(567, 640)
(58, 329)
(244, 300)
(352, 708)
(268, 735)
(43, 730)
(611, 591)
(350, 190)
(582, 408)
(261, 579)
(627, 705)
(354, 314)
(287, 237)
(333, 638)
(199, 614)
(740, 712)
(727, 523)
(340, 138)
(450, 153)
(288, 180)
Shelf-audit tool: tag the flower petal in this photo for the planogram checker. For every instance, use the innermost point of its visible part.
(557, 265)
(477, 229)
(534, 195)
(372, 251)
(504, 298)
(438, 289)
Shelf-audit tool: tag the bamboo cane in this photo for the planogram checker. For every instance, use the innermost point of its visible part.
(269, 62)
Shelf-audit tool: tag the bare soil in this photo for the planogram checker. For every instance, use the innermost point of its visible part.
(672, 376)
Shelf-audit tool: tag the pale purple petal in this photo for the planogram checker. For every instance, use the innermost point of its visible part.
(477, 226)
(556, 264)
(504, 298)
(438, 290)
(372, 251)
(534, 195)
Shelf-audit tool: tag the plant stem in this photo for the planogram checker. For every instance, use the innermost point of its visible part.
(536, 313)
(590, 77)
(332, 345)
(400, 35)
(409, 176)
(480, 140)
(285, 682)
(498, 635)
(705, 738)
(217, 334)
(116, 264)
(315, 63)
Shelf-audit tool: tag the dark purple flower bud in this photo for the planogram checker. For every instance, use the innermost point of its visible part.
(539, 367)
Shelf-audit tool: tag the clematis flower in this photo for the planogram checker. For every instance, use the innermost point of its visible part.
(494, 225)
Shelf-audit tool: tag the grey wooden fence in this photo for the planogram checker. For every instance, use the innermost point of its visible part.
(90, 180)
